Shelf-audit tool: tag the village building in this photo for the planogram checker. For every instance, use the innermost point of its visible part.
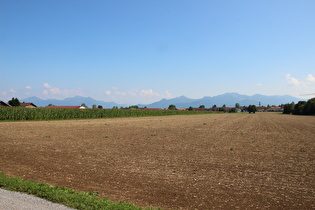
(2, 103)
(275, 109)
(28, 105)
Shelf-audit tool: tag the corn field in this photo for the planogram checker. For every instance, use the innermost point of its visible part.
(25, 114)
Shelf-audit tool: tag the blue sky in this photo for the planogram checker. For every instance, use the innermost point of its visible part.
(141, 51)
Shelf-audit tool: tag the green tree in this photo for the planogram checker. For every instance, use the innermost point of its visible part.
(83, 104)
(288, 108)
(233, 110)
(222, 109)
(252, 108)
(190, 108)
(172, 107)
(14, 102)
(202, 106)
(133, 107)
(237, 105)
(214, 106)
(299, 107)
(309, 107)
(100, 107)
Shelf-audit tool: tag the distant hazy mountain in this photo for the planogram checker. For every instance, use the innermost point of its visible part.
(75, 101)
(229, 99)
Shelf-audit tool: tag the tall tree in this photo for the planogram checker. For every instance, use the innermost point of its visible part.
(14, 102)
(172, 107)
(299, 107)
(309, 107)
(252, 108)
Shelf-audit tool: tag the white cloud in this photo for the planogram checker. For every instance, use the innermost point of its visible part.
(54, 92)
(136, 96)
(46, 85)
(302, 87)
(28, 87)
(12, 91)
(149, 92)
(292, 80)
(310, 78)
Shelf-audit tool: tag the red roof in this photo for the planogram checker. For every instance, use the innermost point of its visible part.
(276, 107)
(27, 105)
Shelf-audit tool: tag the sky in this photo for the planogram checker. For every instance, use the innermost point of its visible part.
(142, 51)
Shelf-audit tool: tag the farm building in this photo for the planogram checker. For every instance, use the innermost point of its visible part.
(275, 109)
(261, 109)
(67, 107)
(28, 105)
(2, 103)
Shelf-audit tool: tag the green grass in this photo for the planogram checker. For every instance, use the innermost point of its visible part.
(63, 195)
(26, 114)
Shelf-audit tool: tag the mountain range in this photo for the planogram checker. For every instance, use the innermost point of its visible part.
(229, 99)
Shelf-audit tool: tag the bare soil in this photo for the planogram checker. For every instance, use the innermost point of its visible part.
(261, 160)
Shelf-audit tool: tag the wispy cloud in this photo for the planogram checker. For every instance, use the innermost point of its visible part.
(54, 92)
(310, 78)
(302, 87)
(135, 95)
(12, 91)
(28, 87)
(291, 80)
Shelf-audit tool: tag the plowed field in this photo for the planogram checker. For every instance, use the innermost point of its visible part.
(261, 160)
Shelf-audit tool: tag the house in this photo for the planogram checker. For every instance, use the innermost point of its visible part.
(275, 109)
(261, 109)
(66, 107)
(2, 103)
(28, 105)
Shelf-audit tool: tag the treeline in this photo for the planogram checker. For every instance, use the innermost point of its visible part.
(302, 107)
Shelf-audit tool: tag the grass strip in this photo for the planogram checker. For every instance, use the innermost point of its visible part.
(63, 195)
